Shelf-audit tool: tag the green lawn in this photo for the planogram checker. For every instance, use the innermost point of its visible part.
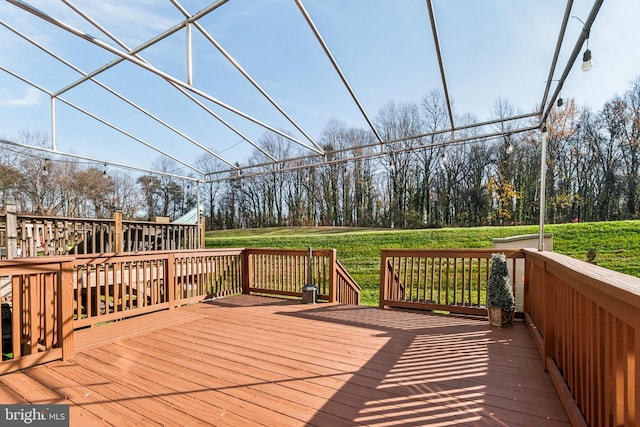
(617, 244)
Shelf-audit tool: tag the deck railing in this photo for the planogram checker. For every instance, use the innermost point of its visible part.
(52, 296)
(112, 287)
(211, 273)
(52, 236)
(285, 272)
(586, 321)
(347, 291)
(41, 319)
(453, 281)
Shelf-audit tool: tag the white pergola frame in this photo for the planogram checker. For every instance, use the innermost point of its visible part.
(317, 156)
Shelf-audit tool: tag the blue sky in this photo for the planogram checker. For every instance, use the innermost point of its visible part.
(492, 49)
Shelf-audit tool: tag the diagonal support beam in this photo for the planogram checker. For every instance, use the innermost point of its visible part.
(443, 75)
(104, 122)
(113, 92)
(584, 35)
(246, 75)
(135, 60)
(556, 54)
(94, 160)
(313, 27)
(178, 88)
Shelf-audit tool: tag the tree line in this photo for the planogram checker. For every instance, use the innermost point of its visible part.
(593, 168)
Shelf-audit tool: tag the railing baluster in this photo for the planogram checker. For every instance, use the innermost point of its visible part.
(104, 287)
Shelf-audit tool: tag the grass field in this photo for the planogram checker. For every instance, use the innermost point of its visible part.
(617, 244)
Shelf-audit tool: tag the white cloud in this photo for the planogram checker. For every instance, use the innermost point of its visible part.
(132, 23)
(31, 97)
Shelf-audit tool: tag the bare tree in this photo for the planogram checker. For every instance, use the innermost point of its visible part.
(125, 196)
(435, 119)
(397, 122)
(169, 191)
(630, 147)
(211, 190)
(38, 186)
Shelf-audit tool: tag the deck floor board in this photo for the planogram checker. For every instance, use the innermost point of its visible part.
(251, 360)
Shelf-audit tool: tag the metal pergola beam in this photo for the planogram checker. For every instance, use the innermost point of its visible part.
(546, 109)
(371, 155)
(584, 35)
(113, 92)
(336, 67)
(245, 74)
(443, 75)
(97, 161)
(374, 154)
(130, 56)
(106, 123)
(556, 53)
(178, 88)
(195, 95)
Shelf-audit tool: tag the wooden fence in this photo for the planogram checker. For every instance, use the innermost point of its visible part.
(453, 281)
(54, 236)
(52, 296)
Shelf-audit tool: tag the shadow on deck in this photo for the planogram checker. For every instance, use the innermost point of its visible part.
(251, 360)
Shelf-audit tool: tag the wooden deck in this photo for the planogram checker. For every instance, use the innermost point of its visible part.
(250, 360)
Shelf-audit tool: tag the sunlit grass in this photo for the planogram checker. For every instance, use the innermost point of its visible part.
(617, 244)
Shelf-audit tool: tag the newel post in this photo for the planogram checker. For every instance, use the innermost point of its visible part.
(333, 276)
(384, 279)
(118, 232)
(12, 230)
(246, 271)
(65, 309)
(202, 229)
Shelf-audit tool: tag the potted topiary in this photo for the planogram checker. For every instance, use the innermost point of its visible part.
(500, 303)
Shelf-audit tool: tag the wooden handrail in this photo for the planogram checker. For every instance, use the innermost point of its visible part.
(49, 235)
(586, 322)
(285, 271)
(41, 312)
(585, 319)
(71, 292)
(447, 280)
(347, 290)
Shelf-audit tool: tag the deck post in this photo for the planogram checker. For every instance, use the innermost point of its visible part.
(384, 275)
(202, 230)
(11, 230)
(118, 238)
(333, 279)
(65, 309)
(246, 271)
